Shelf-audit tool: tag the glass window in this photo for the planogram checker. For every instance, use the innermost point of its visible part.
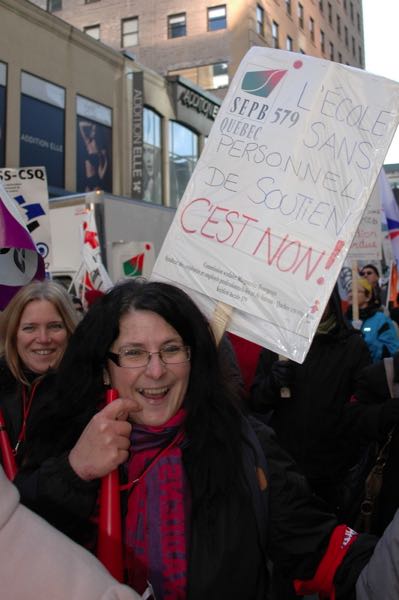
(93, 31)
(177, 25)
(300, 15)
(345, 5)
(322, 41)
(209, 77)
(359, 27)
(311, 28)
(53, 5)
(288, 7)
(130, 32)
(330, 17)
(289, 44)
(360, 55)
(321, 7)
(275, 28)
(220, 76)
(331, 51)
(353, 46)
(339, 57)
(346, 37)
(260, 20)
(352, 12)
(217, 18)
(339, 25)
(183, 156)
(152, 156)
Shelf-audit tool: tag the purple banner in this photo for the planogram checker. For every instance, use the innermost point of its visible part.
(19, 259)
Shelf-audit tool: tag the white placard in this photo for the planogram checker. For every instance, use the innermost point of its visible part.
(278, 193)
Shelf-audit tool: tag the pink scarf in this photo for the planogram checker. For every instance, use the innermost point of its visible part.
(158, 511)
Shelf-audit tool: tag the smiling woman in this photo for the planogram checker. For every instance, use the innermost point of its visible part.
(34, 331)
(200, 481)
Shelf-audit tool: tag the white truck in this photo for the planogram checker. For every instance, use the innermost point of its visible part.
(130, 233)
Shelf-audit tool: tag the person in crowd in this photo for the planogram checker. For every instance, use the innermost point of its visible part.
(37, 561)
(372, 414)
(309, 417)
(34, 332)
(201, 481)
(310, 422)
(78, 304)
(372, 275)
(377, 328)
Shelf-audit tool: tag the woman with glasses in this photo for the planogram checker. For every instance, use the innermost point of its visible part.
(207, 494)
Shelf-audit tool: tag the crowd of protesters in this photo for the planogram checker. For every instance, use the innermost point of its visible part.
(229, 488)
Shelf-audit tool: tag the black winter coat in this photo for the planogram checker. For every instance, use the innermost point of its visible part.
(45, 480)
(371, 417)
(310, 424)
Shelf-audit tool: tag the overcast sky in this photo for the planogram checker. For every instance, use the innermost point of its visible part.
(381, 37)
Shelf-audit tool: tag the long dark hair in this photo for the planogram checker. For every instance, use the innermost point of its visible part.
(213, 423)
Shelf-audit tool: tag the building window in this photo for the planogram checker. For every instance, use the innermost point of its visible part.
(177, 25)
(330, 17)
(289, 44)
(322, 41)
(288, 7)
(152, 156)
(360, 56)
(217, 18)
(339, 57)
(345, 6)
(353, 47)
(311, 28)
(359, 26)
(331, 51)
(53, 5)
(339, 25)
(90, 1)
(220, 76)
(321, 6)
(183, 156)
(276, 43)
(130, 32)
(352, 12)
(93, 31)
(346, 37)
(260, 20)
(300, 15)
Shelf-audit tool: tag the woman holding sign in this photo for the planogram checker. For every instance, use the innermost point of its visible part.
(202, 482)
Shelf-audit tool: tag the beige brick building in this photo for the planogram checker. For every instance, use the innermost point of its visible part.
(204, 40)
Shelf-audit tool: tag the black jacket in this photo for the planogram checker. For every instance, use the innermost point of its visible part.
(45, 480)
(371, 415)
(310, 424)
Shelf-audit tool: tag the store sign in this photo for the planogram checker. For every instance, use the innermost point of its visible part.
(137, 136)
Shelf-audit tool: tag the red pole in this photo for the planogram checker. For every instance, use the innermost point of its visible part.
(109, 547)
(8, 459)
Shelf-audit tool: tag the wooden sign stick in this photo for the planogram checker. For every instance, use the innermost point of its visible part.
(221, 317)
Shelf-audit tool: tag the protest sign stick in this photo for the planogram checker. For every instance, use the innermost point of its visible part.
(355, 300)
(220, 319)
(285, 392)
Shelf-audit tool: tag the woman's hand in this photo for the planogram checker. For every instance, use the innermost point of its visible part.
(105, 441)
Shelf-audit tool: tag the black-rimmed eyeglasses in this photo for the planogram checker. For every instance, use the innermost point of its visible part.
(133, 358)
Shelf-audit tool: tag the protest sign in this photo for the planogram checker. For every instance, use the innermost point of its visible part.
(276, 197)
(19, 260)
(367, 243)
(28, 187)
(132, 259)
